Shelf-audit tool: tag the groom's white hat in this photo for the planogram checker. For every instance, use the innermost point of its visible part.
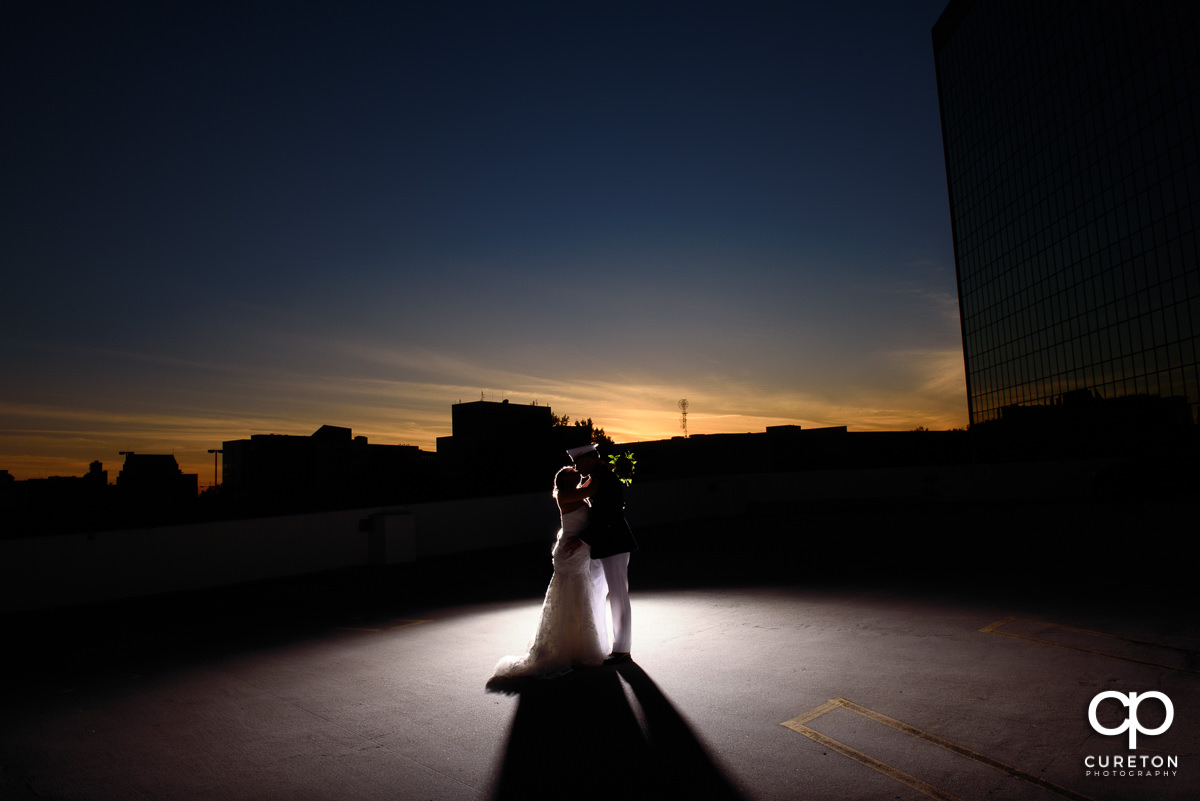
(575, 453)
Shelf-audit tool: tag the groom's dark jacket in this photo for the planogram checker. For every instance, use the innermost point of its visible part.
(607, 532)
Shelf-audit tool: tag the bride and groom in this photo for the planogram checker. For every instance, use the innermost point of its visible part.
(591, 573)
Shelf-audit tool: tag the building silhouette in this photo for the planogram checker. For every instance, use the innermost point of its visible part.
(501, 447)
(1073, 170)
(151, 485)
(792, 449)
(56, 504)
(153, 477)
(330, 468)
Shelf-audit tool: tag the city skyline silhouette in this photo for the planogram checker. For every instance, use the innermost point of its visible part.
(223, 221)
(878, 395)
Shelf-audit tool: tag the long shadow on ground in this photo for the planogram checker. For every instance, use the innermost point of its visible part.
(582, 736)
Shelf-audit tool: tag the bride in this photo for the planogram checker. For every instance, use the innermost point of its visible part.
(566, 635)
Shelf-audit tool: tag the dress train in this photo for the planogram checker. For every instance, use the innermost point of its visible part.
(567, 635)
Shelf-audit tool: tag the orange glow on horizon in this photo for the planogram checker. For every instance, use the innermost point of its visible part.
(38, 442)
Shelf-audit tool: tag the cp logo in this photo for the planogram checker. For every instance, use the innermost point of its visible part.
(1131, 723)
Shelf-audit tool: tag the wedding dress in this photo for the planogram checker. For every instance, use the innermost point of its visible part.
(566, 636)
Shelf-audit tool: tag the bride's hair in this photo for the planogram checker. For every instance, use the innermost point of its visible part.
(561, 481)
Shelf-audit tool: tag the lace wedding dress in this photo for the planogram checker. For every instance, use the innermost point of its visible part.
(566, 636)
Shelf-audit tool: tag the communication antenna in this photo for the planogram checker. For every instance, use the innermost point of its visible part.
(683, 407)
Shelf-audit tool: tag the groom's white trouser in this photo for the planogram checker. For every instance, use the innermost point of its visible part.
(610, 580)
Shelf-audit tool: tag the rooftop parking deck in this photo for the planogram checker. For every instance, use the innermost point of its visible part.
(802, 661)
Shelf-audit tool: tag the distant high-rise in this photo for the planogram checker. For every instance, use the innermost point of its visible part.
(1073, 167)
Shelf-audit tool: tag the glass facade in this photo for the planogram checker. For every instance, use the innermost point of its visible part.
(1073, 168)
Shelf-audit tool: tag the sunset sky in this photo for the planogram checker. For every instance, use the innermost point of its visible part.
(231, 219)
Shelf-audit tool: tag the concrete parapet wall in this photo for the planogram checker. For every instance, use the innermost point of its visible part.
(68, 569)
(64, 570)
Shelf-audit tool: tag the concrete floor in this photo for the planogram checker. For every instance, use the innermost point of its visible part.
(363, 685)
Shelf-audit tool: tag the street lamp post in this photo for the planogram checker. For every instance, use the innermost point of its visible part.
(215, 452)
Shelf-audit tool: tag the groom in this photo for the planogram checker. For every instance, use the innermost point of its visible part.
(611, 542)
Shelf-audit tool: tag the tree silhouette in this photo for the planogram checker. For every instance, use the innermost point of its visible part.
(595, 435)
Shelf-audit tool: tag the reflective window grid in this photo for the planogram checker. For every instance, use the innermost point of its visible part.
(1070, 136)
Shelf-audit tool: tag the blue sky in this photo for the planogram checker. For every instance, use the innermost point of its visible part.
(222, 220)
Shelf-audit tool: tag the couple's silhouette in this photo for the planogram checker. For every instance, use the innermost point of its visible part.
(582, 736)
(591, 573)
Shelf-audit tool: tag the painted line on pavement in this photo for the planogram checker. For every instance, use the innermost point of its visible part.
(800, 724)
(997, 628)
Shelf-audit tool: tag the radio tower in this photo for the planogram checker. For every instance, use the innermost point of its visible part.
(683, 407)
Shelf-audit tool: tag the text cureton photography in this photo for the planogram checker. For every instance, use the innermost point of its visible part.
(1130, 765)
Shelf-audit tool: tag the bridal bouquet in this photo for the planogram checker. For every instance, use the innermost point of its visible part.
(623, 466)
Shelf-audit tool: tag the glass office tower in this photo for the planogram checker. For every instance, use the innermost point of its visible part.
(1073, 166)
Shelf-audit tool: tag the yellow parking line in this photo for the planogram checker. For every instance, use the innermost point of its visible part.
(799, 724)
(995, 628)
(871, 762)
